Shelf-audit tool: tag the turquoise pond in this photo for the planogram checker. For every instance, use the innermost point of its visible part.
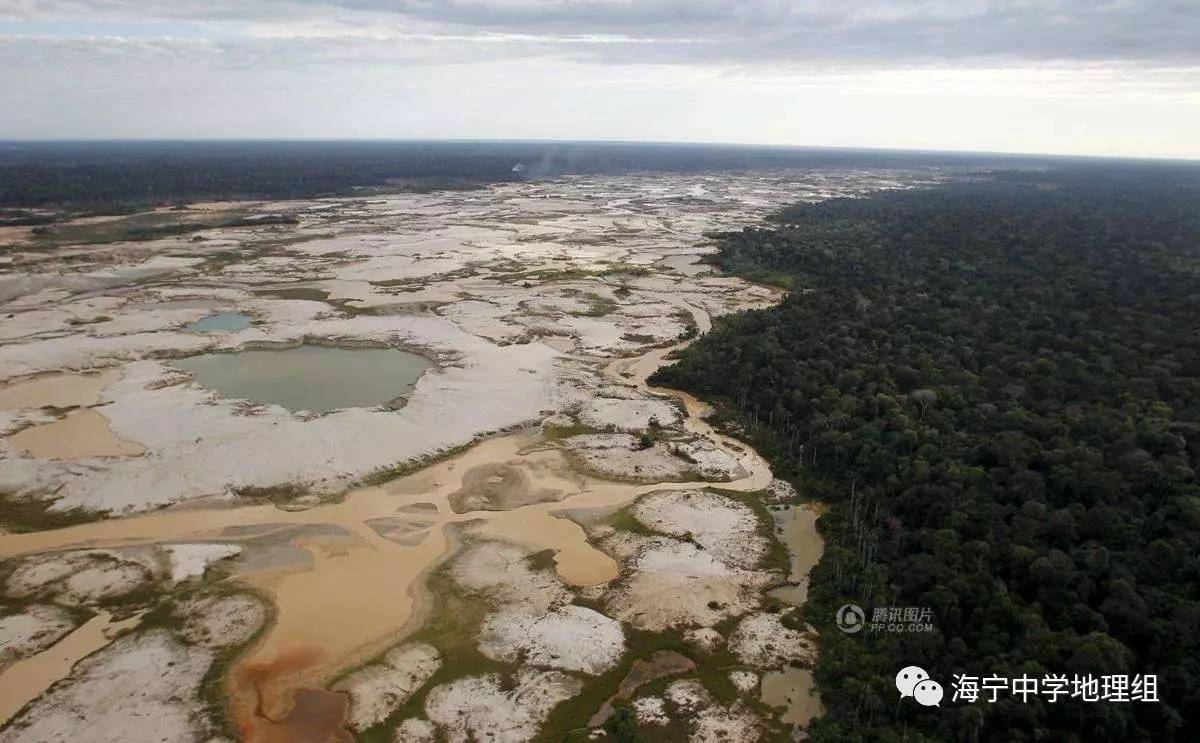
(226, 321)
(312, 378)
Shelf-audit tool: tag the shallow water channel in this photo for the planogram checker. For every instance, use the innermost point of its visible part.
(313, 378)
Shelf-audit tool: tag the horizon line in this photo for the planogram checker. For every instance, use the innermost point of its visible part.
(652, 142)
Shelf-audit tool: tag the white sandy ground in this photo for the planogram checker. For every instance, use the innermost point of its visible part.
(707, 721)
(704, 639)
(620, 456)
(142, 688)
(533, 621)
(78, 578)
(501, 572)
(628, 414)
(762, 641)
(670, 582)
(378, 690)
(490, 389)
(221, 620)
(744, 681)
(570, 638)
(191, 560)
(415, 730)
(482, 708)
(489, 284)
(722, 526)
(31, 630)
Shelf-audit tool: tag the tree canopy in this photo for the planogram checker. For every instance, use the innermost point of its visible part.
(996, 386)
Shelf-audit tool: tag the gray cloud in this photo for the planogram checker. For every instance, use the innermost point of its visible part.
(862, 33)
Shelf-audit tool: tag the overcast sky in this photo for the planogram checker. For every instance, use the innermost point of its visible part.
(1106, 77)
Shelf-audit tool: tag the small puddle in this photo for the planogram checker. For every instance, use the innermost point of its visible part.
(686, 264)
(792, 689)
(312, 378)
(81, 434)
(222, 321)
(56, 390)
(797, 530)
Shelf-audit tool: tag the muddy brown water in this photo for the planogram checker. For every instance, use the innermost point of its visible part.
(56, 390)
(78, 435)
(361, 592)
(792, 689)
(796, 528)
(26, 679)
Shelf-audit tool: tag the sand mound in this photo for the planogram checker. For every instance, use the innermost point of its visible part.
(628, 413)
(764, 642)
(80, 577)
(143, 688)
(221, 620)
(377, 690)
(571, 638)
(484, 708)
(722, 526)
(32, 631)
(498, 487)
(502, 571)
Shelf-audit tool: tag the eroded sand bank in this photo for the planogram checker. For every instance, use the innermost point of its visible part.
(535, 299)
(365, 585)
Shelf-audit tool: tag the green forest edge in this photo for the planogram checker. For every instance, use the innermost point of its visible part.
(454, 624)
(994, 384)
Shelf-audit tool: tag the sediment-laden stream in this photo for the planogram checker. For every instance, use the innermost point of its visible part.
(546, 308)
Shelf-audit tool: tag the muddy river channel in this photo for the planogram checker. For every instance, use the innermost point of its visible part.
(395, 472)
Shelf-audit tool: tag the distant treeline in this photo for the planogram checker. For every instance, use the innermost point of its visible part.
(80, 174)
(996, 386)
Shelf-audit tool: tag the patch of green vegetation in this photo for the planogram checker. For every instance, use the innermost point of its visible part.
(213, 688)
(624, 520)
(543, 560)
(546, 275)
(452, 628)
(557, 433)
(777, 557)
(25, 218)
(281, 495)
(76, 321)
(622, 727)
(128, 225)
(569, 720)
(404, 282)
(690, 328)
(598, 306)
(387, 474)
(625, 269)
(21, 515)
(303, 292)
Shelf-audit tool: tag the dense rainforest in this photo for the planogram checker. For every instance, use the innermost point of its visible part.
(995, 384)
(134, 173)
